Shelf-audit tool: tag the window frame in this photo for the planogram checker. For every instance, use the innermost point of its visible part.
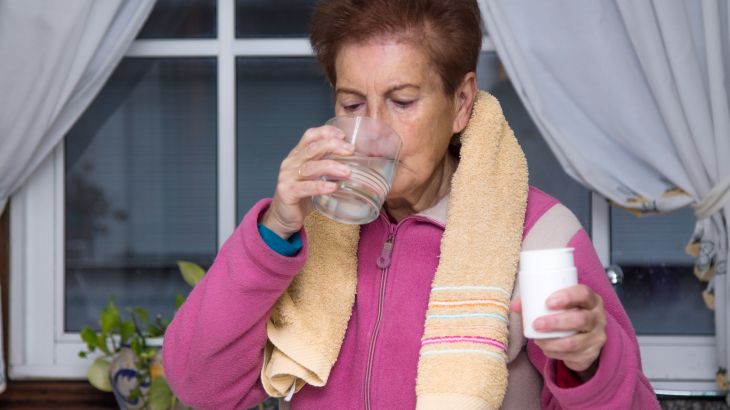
(675, 365)
(39, 348)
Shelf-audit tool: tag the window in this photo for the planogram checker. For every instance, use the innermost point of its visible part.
(178, 19)
(140, 191)
(664, 300)
(273, 18)
(188, 134)
(659, 290)
(277, 99)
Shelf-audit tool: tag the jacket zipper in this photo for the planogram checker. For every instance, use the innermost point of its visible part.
(383, 263)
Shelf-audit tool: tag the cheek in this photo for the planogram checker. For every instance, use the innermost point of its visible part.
(425, 141)
(417, 160)
(423, 147)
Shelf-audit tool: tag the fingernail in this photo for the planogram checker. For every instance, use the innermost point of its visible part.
(554, 302)
(538, 324)
(348, 147)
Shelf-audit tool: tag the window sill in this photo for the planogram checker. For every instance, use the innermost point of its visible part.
(55, 395)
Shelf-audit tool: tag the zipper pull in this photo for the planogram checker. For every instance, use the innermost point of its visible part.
(384, 258)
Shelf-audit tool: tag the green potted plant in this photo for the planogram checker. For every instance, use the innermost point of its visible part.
(127, 349)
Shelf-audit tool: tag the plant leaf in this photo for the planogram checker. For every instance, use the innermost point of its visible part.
(136, 347)
(191, 272)
(89, 337)
(101, 344)
(179, 300)
(158, 327)
(127, 331)
(142, 315)
(98, 374)
(160, 395)
(109, 318)
(155, 331)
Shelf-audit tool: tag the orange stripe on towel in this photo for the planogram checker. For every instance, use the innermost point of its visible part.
(468, 303)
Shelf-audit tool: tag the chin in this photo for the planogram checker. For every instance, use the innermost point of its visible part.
(403, 186)
(392, 194)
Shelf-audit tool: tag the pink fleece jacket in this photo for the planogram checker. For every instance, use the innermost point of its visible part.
(213, 349)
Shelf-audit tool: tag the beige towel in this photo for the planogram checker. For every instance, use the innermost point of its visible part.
(462, 361)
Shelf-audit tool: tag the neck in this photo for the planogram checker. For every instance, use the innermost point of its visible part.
(426, 196)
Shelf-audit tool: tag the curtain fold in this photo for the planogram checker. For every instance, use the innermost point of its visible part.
(632, 96)
(56, 55)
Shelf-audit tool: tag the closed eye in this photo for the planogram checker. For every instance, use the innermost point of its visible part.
(352, 107)
(402, 104)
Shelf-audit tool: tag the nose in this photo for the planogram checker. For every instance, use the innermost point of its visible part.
(377, 111)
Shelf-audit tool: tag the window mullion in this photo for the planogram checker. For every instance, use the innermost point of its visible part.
(32, 264)
(601, 227)
(59, 206)
(226, 121)
(173, 48)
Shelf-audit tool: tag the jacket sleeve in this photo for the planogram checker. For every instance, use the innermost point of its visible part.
(213, 349)
(619, 382)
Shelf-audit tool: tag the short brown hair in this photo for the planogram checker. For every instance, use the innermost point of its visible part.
(450, 31)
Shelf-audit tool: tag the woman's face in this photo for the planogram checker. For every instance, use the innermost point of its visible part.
(396, 82)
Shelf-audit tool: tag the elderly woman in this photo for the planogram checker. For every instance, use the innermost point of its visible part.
(413, 309)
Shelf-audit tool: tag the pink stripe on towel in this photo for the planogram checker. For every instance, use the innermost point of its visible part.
(464, 339)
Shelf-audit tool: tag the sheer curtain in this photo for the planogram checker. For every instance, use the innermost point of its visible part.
(56, 55)
(632, 96)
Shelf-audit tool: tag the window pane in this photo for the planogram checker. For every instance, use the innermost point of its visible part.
(546, 173)
(140, 186)
(659, 291)
(277, 100)
(181, 19)
(273, 18)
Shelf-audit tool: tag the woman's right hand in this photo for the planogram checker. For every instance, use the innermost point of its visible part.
(300, 178)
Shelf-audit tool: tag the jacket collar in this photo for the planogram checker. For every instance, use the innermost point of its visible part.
(438, 212)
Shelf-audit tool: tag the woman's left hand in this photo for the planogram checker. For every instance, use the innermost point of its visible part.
(582, 311)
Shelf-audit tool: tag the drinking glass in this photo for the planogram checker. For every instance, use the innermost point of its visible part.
(360, 196)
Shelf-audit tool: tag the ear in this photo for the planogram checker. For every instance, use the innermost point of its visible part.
(464, 101)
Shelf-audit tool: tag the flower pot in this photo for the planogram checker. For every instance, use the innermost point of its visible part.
(123, 373)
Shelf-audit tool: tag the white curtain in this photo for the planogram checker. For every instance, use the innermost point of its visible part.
(632, 97)
(54, 57)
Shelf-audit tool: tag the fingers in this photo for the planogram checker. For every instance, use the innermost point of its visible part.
(315, 135)
(318, 133)
(292, 192)
(578, 352)
(580, 320)
(316, 144)
(581, 311)
(327, 146)
(311, 188)
(319, 146)
(516, 305)
(578, 296)
(300, 177)
(321, 168)
(562, 348)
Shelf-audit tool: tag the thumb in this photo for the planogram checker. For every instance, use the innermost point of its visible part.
(516, 305)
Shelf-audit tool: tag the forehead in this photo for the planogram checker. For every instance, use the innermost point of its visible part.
(382, 62)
